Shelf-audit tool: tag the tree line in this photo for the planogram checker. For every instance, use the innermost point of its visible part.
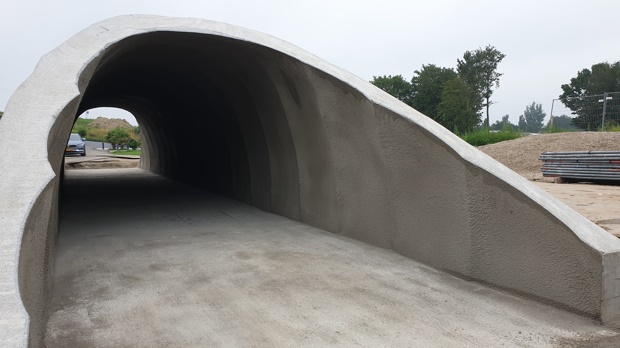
(458, 98)
(455, 98)
(532, 120)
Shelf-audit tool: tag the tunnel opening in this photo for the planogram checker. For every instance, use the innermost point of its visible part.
(94, 123)
(214, 117)
(102, 137)
(203, 103)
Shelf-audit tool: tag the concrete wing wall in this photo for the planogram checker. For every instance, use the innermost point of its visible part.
(294, 135)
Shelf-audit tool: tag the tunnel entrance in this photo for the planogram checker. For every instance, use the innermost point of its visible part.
(209, 111)
(152, 243)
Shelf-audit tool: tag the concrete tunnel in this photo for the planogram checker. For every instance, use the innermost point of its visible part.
(251, 117)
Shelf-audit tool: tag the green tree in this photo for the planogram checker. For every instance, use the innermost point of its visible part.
(532, 118)
(503, 124)
(604, 77)
(601, 78)
(562, 123)
(427, 85)
(118, 137)
(81, 126)
(397, 86)
(458, 109)
(522, 123)
(1, 113)
(479, 69)
(134, 144)
(81, 131)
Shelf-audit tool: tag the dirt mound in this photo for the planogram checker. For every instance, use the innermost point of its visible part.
(103, 163)
(110, 123)
(521, 155)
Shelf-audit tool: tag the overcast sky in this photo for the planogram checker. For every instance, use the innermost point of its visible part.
(545, 42)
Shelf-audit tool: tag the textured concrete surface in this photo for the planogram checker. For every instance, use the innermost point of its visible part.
(143, 261)
(261, 121)
(599, 203)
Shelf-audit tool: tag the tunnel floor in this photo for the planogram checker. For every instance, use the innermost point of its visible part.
(144, 261)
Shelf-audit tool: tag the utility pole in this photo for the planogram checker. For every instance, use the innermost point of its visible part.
(604, 110)
(551, 116)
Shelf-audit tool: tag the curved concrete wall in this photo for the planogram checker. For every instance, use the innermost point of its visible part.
(255, 118)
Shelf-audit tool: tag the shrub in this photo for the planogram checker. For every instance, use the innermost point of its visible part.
(81, 127)
(484, 136)
(118, 136)
(611, 126)
(556, 129)
(96, 134)
(134, 144)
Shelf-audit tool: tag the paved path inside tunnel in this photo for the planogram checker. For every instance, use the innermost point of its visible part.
(143, 261)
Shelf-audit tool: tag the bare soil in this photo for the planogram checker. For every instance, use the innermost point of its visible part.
(110, 123)
(102, 163)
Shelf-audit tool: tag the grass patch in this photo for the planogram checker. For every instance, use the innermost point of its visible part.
(556, 129)
(611, 126)
(82, 122)
(81, 126)
(127, 152)
(486, 136)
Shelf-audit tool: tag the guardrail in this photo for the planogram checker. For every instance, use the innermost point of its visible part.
(582, 165)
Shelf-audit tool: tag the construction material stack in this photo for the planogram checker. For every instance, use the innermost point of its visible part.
(594, 166)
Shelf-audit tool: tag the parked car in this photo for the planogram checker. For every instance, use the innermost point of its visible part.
(75, 145)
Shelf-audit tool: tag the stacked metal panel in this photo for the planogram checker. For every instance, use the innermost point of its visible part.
(582, 165)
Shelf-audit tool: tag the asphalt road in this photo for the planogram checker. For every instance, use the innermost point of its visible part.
(94, 148)
(93, 151)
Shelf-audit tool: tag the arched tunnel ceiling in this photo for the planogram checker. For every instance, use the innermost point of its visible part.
(215, 99)
(249, 116)
(176, 83)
